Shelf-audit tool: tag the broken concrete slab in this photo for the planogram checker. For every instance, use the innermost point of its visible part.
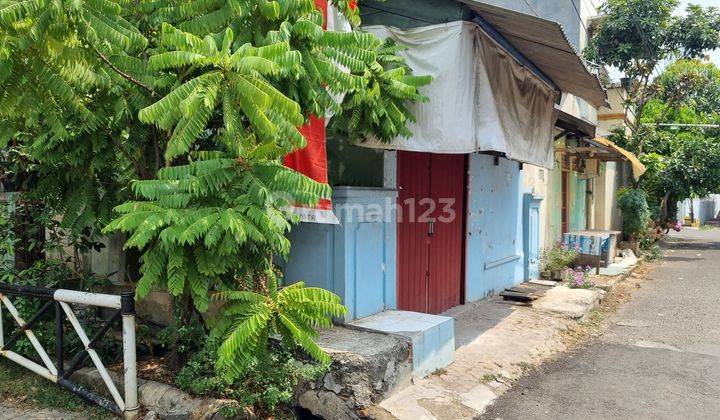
(608, 282)
(571, 303)
(366, 368)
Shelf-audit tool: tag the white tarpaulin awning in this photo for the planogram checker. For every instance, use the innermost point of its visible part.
(481, 97)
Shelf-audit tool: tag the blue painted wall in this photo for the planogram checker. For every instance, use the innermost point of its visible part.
(494, 243)
(355, 259)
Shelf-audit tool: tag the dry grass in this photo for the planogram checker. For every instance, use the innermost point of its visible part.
(597, 321)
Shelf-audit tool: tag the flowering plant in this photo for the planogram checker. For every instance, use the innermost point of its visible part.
(578, 278)
(558, 257)
(678, 226)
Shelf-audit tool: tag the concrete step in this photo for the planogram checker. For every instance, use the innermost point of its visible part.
(432, 337)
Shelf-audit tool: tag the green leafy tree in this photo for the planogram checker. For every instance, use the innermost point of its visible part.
(638, 36)
(682, 159)
(178, 114)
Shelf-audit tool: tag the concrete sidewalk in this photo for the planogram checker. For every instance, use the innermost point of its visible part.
(496, 344)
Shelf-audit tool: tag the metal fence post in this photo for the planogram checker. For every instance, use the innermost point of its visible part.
(127, 306)
(59, 339)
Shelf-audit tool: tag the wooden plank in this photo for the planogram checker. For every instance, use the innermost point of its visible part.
(521, 297)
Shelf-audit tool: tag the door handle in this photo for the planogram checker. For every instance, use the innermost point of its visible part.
(431, 228)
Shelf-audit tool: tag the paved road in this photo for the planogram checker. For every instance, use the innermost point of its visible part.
(660, 358)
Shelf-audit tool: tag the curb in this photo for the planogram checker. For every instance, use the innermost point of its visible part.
(165, 400)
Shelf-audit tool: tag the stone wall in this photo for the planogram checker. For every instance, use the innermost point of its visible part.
(366, 368)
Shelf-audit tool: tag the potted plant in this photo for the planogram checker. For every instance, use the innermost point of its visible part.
(556, 259)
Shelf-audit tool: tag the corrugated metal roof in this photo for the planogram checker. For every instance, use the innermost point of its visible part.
(544, 43)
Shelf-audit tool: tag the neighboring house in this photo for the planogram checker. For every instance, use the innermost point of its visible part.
(613, 175)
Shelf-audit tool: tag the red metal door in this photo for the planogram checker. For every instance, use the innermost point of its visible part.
(447, 190)
(431, 200)
(413, 178)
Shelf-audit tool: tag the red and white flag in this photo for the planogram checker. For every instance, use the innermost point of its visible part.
(312, 160)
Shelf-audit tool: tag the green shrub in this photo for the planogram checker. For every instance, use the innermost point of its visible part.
(266, 384)
(652, 253)
(633, 205)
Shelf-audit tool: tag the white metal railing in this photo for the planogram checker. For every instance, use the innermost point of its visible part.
(60, 299)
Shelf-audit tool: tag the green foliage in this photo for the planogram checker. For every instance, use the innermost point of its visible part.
(248, 319)
(633, 34)
(98, 93)
(697, 31)
(207, 224)
(368, 112)
(267, 384)
(633, 205)
(689, 86)
(636, 35)
(681, 161)
(42, 236)
(177, 115)
(652, 252)
(7, 239)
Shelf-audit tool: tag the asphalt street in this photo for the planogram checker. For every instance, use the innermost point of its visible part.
(659, 359)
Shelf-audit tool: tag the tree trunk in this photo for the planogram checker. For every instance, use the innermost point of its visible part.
(184, 307)
(30, 246)
(692, 211)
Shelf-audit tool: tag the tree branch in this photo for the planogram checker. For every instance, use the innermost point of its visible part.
(122, 73)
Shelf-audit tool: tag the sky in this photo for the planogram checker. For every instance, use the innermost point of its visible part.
(714, 55)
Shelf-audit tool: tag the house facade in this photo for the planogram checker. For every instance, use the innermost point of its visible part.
(509, 91)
